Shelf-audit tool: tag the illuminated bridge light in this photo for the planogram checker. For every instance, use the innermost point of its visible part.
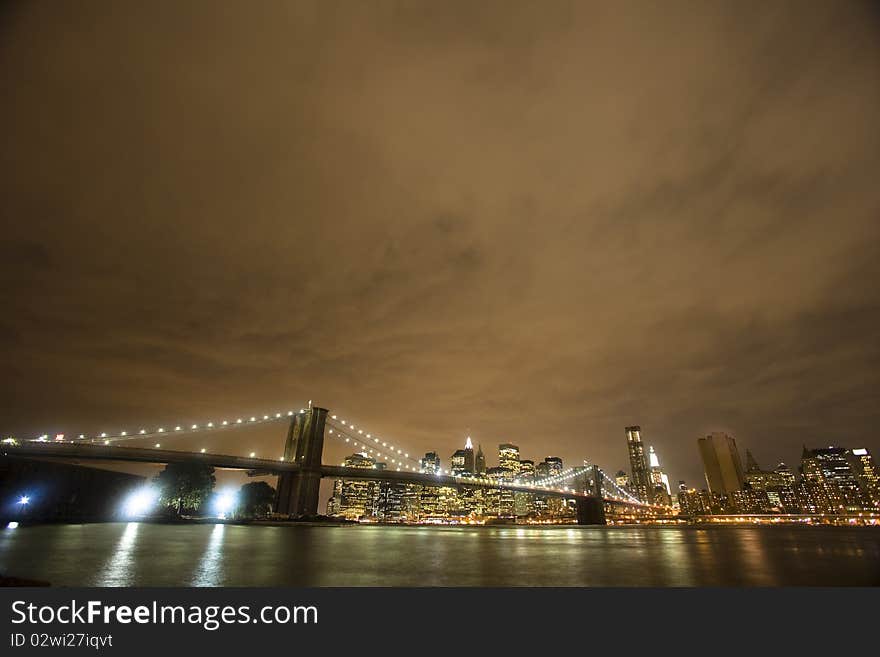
(177, 428)
(253, 454)
(123, 433)
(158, 445)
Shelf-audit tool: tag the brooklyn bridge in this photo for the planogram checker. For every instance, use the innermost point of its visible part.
(595, 496)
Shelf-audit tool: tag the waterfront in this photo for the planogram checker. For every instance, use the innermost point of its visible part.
(144, 554)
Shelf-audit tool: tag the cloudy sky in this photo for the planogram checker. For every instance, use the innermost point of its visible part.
(535, 222)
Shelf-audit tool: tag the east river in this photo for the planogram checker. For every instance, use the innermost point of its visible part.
(145, 554)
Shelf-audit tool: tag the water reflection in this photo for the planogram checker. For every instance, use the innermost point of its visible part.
(228, 555)
(209, 572)
(119, 568)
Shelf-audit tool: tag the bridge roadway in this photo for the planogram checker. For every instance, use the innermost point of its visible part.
(91, 451)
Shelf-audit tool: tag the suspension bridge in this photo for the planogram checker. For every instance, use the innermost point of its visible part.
(300, 468)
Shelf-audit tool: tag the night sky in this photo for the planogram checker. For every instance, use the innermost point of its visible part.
(530, 222)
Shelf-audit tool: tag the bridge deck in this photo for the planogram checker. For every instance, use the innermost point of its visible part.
(90, 451)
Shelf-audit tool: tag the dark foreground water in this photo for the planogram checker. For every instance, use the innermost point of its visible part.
(139, 554)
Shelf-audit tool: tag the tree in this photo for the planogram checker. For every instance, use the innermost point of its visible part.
(256, 498)
(185, 486)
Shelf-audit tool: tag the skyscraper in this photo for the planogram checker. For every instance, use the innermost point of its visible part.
(639, 481)
(355, 498)
(866, 473)
(508, 457)
(430, 463)
(721, 462)
(480, 461)
(463, 459)
(659, 486)
(831, 481)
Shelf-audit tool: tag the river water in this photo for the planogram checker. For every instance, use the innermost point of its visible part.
(145, 554)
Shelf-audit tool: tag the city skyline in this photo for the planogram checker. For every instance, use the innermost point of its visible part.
(543, 218)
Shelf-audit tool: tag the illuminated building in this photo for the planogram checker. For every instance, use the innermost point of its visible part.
(749, 500)
(462, 461)
(524, 503)
(390, 500)
(721, 462)
(500, 501)
(640, 482)
(830, 480)
(430, 463)
(766, 490)
(622, 479)
(866, 474)
(355, 498)
(659, 482)
(553, 465)
(692, 502)
(508, 457)
(429, 502)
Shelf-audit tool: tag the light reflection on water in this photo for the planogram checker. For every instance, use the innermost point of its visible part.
(118, 570)
(125, 554)
(210, 568)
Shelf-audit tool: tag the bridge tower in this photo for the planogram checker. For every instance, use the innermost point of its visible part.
(590, 510)
(298, 491)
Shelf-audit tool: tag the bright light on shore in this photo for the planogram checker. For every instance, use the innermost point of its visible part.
(225, 502)
(140, 502)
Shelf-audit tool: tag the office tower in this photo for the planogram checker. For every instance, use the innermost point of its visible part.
(622, 479)
(430, 463)
(462, 462)
(524, 503)
(692, 502)
(721, 462)
(830, 480)
(355, 498)
(553, 465)
(526, 471)
(480, 461)
(767, 490)
(638, 463)
(784, 475)
(866, 473)
(659, 482)
(508, 457)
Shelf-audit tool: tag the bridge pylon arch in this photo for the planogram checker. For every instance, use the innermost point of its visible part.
(298, 491)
